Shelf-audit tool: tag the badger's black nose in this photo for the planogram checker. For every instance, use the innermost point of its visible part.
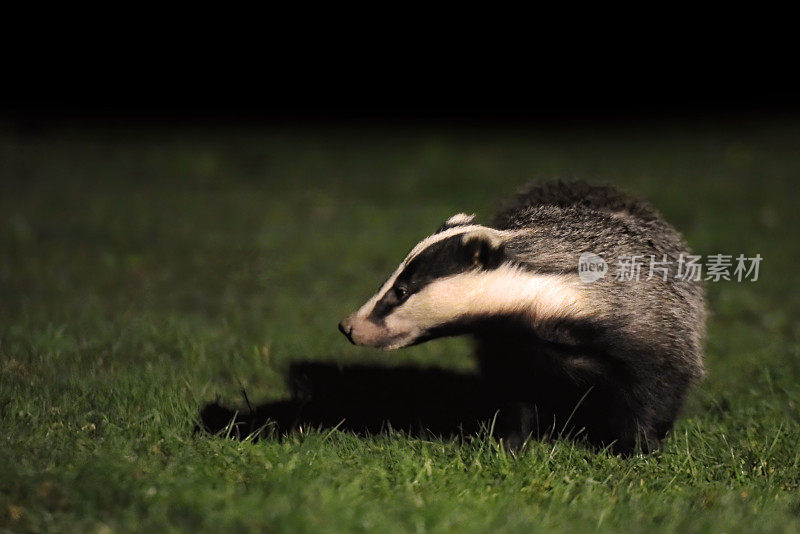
(346, 329)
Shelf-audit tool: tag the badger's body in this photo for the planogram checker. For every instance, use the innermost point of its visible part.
(611, 359)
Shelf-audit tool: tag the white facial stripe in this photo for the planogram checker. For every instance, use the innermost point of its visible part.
(367, 308)
(435, 238)
(505, 290)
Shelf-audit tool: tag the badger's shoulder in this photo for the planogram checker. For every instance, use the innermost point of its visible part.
(603, 199)
(553, 223)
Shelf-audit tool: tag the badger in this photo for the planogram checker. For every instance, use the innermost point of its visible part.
(607, 358)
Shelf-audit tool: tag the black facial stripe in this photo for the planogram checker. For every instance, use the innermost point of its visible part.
(383, 308)
(443, 258)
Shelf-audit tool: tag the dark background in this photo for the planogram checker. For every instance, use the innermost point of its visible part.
(589, 86)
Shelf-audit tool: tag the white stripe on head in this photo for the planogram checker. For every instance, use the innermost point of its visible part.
(367, 308)
(458, 299)
(507, 290)
(450, 232)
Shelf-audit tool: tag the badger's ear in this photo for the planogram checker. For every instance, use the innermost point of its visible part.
(459, 219)
(483, 248)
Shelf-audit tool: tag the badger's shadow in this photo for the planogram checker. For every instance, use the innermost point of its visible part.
(368, 399)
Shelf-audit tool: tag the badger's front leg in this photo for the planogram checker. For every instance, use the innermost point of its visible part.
(547, 390)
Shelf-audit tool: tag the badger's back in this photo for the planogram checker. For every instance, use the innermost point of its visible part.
(640, 348)
(568, 194)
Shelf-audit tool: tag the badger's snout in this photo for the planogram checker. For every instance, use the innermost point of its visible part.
(367, 333)
(346, 328)
(360, 331)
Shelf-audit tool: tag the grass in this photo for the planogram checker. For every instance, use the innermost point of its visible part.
(144, 273)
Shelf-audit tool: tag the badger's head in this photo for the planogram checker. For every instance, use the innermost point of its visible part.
(457, 277)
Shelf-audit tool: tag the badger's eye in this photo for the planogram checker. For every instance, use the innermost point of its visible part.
(401, 292)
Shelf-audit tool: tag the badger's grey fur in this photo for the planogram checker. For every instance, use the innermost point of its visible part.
(611, 360)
